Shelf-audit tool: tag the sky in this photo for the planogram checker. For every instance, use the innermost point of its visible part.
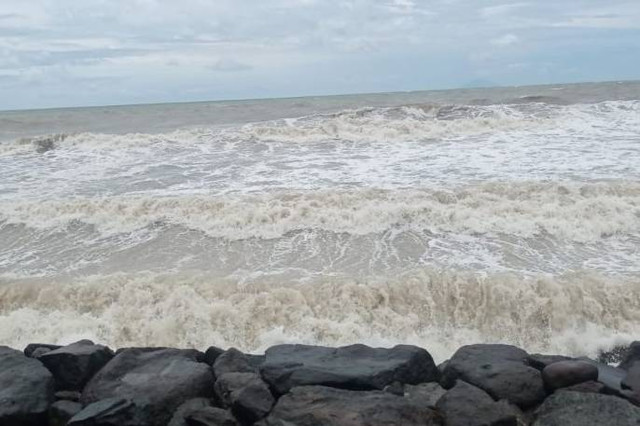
(58, 53)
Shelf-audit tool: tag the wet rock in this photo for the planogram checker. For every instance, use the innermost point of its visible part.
(610, 376)
(62, 411)
(211, 416)
(356, 367)
(211, 354)
(246, 394)
(613, 356)
(632, 379)
(580, 409)
(68, 395)
(26, 389)
(467, 405)
(324, 406)
(110, 412)
(587, 387)
(631, 356)
(233, 361)
(32, 347)
(155, 381)
(539, 361)
(395, 388)
(72, 366)
(200, 412)
(499, 370)
(426, 394)
(568, 373)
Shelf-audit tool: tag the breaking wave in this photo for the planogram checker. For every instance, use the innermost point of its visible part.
(574, 211)
(405, 123)
(573, 314)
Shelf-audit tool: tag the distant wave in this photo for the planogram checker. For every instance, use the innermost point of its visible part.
(574, 314)
(405, 123)
(575, 211)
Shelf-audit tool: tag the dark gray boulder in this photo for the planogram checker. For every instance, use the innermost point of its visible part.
(610, 376)
(324, 406)
(540, 361)
(631, 356)
(246, 394)
(200, 412)
(211, 416)
(110, 412)
(212, 354)
(155, 381)
(568, 373)
(425, 394)
(72, 366)
(68, 395)
(632, 379)
(356, 367)
(580, 409)
(467, 405)
(233, 361)
(26, 389)
(500, 370)
(587, 387)
(32, 347)
(61, 412)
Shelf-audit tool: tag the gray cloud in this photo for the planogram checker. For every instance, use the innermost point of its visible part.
(159, 49)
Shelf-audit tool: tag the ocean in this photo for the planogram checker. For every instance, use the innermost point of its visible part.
(436, 218)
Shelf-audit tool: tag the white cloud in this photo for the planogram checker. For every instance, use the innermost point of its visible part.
(506, 40)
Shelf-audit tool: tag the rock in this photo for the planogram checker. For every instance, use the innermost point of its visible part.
(62, 411)
(198, 411)
(156, 381)
(26, 389)
(632, 355)
(610, 376)
(233, 361)
(580, 409)
(539, 361)
(212, 354)
(587, 387)
(612, 356)
(186, 408)
(68, 395)
(395, 388)
(38, 352)
(568, 373)
(426, 394)
(211, 416)
(632, 379)
(246, 394)
(356, 367)
(110, 412)
(28, 351)
(72, 366)
(324, 406)
(499, 370)
(467, 405)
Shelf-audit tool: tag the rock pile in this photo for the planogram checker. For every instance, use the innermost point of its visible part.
(86, 384)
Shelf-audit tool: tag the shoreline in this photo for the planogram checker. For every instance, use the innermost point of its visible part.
(86, 384)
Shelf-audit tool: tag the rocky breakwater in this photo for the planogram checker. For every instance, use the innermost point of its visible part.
(86, 384)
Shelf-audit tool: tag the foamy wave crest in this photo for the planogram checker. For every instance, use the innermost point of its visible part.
(575, 314)
(398, 124)
(405, 123)
(579, 212)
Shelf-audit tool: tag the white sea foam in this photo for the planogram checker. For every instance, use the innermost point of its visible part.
(406, 123)
(574, 314)
(578, 212)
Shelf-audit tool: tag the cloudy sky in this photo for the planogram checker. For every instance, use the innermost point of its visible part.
(96, 52)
